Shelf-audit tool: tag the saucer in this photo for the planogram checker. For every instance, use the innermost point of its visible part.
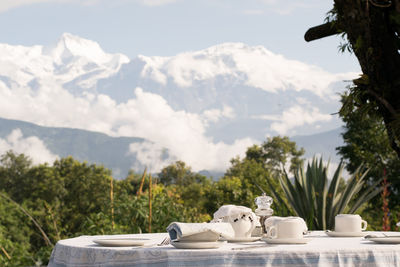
(287, 240)
(121, 242)
(346, 234)
(385, 239)
(196, 245)
(243, 239)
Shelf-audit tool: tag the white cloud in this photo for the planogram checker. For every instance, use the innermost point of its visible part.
(151, 155)
(147, 115)
(182, 133)
(30, 146)
(294, 117)
(254, 66)
(214, 115)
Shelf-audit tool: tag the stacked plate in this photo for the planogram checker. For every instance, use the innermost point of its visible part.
(121, 242)
(204, 240)
(383, 239)
(346, 234)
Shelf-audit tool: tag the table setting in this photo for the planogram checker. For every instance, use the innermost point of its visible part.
(237, 236)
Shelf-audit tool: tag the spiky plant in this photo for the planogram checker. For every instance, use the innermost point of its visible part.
(318, 199)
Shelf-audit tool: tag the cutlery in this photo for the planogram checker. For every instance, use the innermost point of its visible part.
(166, 241)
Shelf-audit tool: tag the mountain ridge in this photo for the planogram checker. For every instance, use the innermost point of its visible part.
(204, 106)
(113, 152)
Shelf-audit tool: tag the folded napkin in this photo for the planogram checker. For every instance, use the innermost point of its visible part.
(179, 230)
(231, 210)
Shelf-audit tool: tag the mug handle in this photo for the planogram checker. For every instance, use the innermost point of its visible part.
(363, 225)
(272, 232)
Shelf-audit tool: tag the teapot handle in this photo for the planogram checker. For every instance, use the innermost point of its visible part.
(253, 219)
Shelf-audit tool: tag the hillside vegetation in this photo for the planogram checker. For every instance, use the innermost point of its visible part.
(41, 204)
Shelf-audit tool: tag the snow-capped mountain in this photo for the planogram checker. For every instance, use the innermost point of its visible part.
(71, 60)
(204, 106)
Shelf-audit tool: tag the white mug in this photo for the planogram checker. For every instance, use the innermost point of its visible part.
(349, 223)
(243, 224)
(273, 220)
(286, 228)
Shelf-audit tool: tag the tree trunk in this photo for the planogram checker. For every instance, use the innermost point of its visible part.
(374, 37)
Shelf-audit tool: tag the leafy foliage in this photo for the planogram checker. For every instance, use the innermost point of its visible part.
(276, 153)
(366, 141)
(318, 201)
(71, 198)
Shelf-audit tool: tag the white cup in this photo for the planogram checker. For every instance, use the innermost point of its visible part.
(349, 223)
(286, 228)
(243, 224)
(273, 220)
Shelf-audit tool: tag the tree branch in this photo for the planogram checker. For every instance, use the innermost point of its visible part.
(321, 31)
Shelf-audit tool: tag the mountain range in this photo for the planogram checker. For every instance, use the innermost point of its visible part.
(203, 107)
(113, 152)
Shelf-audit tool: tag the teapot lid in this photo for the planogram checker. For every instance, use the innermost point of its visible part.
(230, 210)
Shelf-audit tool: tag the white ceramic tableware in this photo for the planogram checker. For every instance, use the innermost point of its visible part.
(273, 220)
(121, 242)
(243, 239)
(350, 223)
(346, 234)
(243, 224)
(289, 228)
(196, 245)
(287, 240)
(385, 239)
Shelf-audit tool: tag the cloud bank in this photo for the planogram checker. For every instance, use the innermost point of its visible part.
(254, 66)
(36, 82)
(294, 117)
(30, 146)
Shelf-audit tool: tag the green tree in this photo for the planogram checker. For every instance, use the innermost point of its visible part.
(179, 173)
(13, 173)
(276, 153)
(15, 233)
(192, 187)
(372, 29)
(88, 191)
(258, 172)
(366, 141)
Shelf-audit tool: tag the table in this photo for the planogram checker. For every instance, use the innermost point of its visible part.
(320, 251)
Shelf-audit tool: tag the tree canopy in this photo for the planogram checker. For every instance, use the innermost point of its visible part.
(372, 29)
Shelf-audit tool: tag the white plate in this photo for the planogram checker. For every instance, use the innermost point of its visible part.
(385, 239)
(287, 240)
(121, 242)
(346, 234)
(196, 245)
(243, 239)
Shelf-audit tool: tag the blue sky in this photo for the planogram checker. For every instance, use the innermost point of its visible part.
(168, 27)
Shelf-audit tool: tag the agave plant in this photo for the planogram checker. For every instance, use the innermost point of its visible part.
(318, 199)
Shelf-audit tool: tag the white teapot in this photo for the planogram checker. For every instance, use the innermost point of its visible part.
(242, 219)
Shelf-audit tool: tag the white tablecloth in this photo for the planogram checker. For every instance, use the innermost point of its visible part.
(320, 251)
